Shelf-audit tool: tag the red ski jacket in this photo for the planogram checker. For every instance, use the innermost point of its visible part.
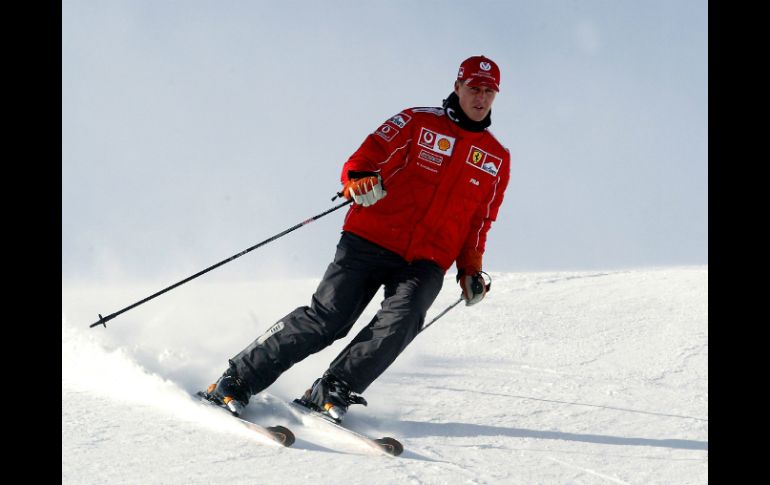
(444, 187)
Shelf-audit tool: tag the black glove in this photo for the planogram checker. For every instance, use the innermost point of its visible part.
(473, 286)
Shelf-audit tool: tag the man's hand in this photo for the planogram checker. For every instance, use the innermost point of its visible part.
(474, 288)
(365, 190)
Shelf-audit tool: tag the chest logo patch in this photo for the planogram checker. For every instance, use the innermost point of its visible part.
(430, 157)
(484, 161)
(436, 142)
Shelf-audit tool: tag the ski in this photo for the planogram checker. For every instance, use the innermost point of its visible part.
(279, 434)
(387, 445)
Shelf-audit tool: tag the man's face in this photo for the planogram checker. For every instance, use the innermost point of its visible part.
(475, 101)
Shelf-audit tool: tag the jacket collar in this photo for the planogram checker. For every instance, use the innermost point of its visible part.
(455, 113)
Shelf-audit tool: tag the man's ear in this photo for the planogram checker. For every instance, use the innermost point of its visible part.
(457, 87)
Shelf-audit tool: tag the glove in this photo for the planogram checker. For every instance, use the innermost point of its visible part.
(365, 188)
(473, 286)
(469, 276)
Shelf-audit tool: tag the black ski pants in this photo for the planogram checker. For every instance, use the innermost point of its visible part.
(359, 269)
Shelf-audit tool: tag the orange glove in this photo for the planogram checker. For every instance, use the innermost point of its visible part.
(366, 190)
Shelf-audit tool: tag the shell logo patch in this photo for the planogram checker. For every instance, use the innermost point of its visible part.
(436, 142)
(484, 161)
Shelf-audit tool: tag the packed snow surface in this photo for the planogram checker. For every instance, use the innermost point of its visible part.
(568, 377)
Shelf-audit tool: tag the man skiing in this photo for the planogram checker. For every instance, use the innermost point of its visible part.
(426, 186)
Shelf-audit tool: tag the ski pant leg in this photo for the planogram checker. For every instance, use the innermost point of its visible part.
(408, 294)
(347, 287)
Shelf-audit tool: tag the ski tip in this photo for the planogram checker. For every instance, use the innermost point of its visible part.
(390, 445)
(282, 435)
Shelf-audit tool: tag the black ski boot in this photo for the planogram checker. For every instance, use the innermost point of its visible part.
(330, 396)
(229, 391)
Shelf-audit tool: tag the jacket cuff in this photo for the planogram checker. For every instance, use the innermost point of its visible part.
(348, 175)
(469, 262)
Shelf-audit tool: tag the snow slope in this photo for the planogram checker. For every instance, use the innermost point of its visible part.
(570, 377)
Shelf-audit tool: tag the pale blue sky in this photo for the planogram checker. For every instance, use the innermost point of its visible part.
(192, 130)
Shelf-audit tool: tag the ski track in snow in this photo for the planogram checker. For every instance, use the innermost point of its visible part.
(592, 472)
(571, 377)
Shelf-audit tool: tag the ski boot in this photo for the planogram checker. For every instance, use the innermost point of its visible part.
(229, 391)
(331, 397)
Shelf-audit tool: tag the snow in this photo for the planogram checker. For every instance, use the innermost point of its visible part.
(563, 377)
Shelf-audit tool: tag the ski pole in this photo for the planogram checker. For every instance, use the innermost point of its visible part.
(446, 310)
(103, 320)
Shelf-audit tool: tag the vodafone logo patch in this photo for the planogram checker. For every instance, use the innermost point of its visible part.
(436, 142)
(386, 132)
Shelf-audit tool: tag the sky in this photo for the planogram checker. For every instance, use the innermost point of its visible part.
(193, 130)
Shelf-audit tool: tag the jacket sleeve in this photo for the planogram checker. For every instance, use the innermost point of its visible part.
(384, 150)
(470, 259)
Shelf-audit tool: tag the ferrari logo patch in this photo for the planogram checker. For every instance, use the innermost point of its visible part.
(484, 161)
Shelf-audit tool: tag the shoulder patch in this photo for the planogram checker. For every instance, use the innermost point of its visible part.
(386, 132)
(400, 120)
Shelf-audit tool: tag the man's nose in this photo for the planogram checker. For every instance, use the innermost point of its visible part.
(481, 96)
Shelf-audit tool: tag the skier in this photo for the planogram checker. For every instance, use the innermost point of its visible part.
(426, 186)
